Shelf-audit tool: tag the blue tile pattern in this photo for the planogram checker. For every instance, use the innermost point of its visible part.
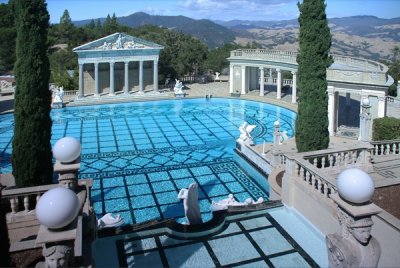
(247, 241)
(141, 154)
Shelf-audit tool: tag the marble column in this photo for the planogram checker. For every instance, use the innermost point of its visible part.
(294, 87)
(331, 110)
(141, 88)
(243, 79)
(231, 78)
(261, 81)
(155, 75)
(96, 80)
(80, 93)
(112, 89)
(381, 106)
(279, 84)
(126, 87)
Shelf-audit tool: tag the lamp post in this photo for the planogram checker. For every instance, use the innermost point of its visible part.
(58, 209)
(67, 152)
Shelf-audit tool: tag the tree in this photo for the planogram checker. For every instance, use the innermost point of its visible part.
(32, 157)
(7, 38)
(313, 59)
(394, 71)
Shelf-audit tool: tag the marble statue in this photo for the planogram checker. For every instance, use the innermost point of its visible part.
(231, 201)
(119, 43)
(245, 133)
(190, 199)
(109, 220)
(354, 247)
(178, 87)
(217, 76)
(284, 137)
(59, 95)
(57, 255)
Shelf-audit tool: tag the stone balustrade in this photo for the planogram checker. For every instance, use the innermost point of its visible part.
(28, 196)
(308, 175)
(382, 148)
(341, 159)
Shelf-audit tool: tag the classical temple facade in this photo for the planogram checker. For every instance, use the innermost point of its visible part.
(347, 76)
(117, 63)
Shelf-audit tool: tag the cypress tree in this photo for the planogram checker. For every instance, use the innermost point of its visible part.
(313, 59)
(32, 156)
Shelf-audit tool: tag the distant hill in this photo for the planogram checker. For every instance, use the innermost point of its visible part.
(360, 36)
(212, 34)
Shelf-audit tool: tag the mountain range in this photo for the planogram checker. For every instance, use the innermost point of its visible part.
(359, 36)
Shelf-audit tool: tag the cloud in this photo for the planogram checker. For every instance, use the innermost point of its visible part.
(240, 9)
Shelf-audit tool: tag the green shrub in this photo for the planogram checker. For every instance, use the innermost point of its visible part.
(386, 128)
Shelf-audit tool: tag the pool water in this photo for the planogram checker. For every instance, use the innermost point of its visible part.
(141, 154)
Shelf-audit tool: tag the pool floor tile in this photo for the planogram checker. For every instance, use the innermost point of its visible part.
(289, 260)
(255, 223)
(195, 255)
(147, 259)
(270, 241)
(240, 249)
(134, 246)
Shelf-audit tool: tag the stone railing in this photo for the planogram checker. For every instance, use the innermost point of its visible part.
(328, 159)
(382, 148)
(269, 80)
(344, 69)
(27, 196)
(310, 176)
(265, 54)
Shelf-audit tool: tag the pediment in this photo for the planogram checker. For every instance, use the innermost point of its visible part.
(118, 41)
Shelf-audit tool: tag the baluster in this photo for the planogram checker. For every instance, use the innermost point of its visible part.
(323, 162)
(354, 157)
(331, 160)
(326, 191)
(387, 151)
(26, 203)
(315, 162)
(319, 186)
(302, 173)
(14, 204)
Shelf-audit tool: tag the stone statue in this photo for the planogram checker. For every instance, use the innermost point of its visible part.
(217, 76)
(57, 255)
(59, 95)
(190, 198)
(119, 43)
(231, 201)
(355, 247)
(245, 133)
(178, 87)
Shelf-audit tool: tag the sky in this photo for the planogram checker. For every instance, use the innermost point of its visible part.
(216, 9)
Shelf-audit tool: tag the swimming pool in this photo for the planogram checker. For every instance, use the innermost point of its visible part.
(141, 154)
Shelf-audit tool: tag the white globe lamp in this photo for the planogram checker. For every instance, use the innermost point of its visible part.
(67, 150)
(355, 185)
(57, 208)
(276, 123)
(365, 102)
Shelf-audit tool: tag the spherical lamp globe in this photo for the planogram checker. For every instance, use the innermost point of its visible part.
(355, 185)
(67, 149)
(365, 102)
(57, 208)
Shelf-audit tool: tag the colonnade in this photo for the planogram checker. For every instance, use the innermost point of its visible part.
(112, 76)
(261, 79)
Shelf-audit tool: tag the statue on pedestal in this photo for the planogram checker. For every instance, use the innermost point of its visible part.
(245, 133)
(355, 247)
(178, 88)
(57, 255)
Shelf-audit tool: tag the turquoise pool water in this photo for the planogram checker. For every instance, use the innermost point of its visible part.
(141, 154)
